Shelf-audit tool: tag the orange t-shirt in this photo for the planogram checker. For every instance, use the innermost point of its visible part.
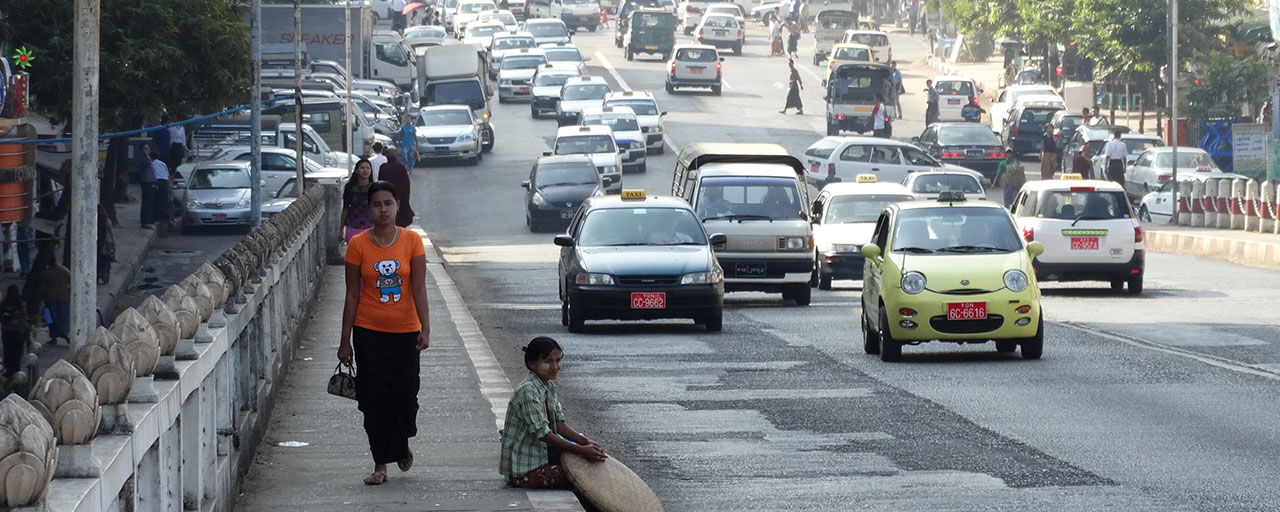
(386, 292)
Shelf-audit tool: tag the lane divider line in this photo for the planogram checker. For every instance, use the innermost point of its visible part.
(608, 66)
(1219, 362)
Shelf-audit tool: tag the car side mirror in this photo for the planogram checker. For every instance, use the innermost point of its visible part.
(524, 184)
(275, 194)
(721, 59)
(586, 59)
(718, 239)
(564, 240)
(870, 251)
(1035, 249)
(663, 113)
(816, 209)
(546, 153)
(608, 180)
(915, 140)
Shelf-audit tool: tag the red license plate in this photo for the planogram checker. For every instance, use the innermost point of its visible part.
(966, 311)
(696, 71)
(220, 217)
(524, 90)
(648, 300)
(1084, 243)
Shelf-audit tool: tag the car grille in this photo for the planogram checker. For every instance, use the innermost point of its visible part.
(941, 324)
(646, 280)
(440, 140)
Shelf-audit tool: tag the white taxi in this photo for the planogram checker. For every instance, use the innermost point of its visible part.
(1088, 230)
(844, 216)
(647, 114)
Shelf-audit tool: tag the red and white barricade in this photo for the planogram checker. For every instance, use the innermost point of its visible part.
(1252, 221)
(1185, 202)
(1267, 207)
(1198, 207)
(1236, 204)
(1222, 204)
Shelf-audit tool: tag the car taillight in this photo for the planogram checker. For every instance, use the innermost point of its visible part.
(739, 34)
(1082, 189)
(692, 9)
(1163, 178)
(994, 154)
(717, 70)
(673, 68)
(973, 100)
(1029, 234)
(831, 64)
(1137, 234)
(839, 117)
(950, 154)
(1014, 133)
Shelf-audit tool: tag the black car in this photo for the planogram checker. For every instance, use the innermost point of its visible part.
(1064, 126)
(1024, 128)
(965, 144)
(555, 188)
(630, 257)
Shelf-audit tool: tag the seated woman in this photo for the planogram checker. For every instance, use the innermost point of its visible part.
(535, 433)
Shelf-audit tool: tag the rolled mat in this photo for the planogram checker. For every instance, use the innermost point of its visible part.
(610, 486)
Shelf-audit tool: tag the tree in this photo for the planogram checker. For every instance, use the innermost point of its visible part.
(1224, 83)
(1127, 36)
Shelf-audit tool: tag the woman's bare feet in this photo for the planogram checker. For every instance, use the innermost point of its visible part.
(378, 477)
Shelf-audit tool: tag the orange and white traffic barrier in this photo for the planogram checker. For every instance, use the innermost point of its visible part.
(1251, 206)
(1186, 202)
(1267, 207)
(1198, 204)
(1236, 204)
(1222, 204)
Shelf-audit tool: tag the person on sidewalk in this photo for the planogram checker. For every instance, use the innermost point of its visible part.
(880, 119)
(1048, 153)
(1010, 176)
(535, 434)
(377, 159)
(15, 329)
(163, 203)
(385, 326)
(1116, 151)
(356, 216)
(397, 175)
(793, 91)
(408, 142)
(931, 103)
(913, 12)
(147, 184)
(56, 281)
(1081, 165)
(895, 95)
(177, 146)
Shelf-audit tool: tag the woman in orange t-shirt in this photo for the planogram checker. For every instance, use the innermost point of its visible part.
(386, 317)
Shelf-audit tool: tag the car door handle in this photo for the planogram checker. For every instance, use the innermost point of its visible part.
(877, 169)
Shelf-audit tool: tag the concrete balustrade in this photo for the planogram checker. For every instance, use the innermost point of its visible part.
(1222, 204)
(1252, 220)
(1185, 202)
(185, 444)
(1235, 204)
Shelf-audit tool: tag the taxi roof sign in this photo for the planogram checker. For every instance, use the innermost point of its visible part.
(628, 93)
(865, 178)
(633, 194)
(1072, 176)
(951, 196)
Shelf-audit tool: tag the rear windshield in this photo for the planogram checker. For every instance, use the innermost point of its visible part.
(963, 229)
(696, 55)
(507, 43)
(551, 79)
(563, 55)
(466, 92)
(1139, 145)
(584, 92)
(720, 22)
(484, 30)
(954, 88)
(870, 39)
(1186, 159)
(749, 198)
(933, 183)
(585, 144)
(546, 29)
(1037, 116)
(966, 135)
(206, 179)
(475, 7)
(859, 54)
(641, 107)
(822, 148)
(617, 124)
(1082, 204)
(859, 208)
(523, 62)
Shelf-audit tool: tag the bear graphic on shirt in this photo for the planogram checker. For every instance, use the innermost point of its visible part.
(388, 282)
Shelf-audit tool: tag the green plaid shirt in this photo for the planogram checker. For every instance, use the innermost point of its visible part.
(523, 449)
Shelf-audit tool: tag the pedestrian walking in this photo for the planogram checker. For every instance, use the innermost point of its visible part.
(56, 282)
(1048, 153)
(793, 91)
(604, 18)
(356, 217)
(775, 37)
(398, 20)
(1116, 151)
(385, 325)
(147, 185)
(1010, 176)
(913, 12)
(177, 146)
(163, 204)
(931, 103)
(106, 246)
(880, 119)
(397, 175)
(535, 434)
(898, 89)
(793, 39)
(377, 159)
(15, 329)
(1081, 165)
(804, 16)
(408, 142)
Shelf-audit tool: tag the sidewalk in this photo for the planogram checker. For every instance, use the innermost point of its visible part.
(1261, 250)
(325, 454)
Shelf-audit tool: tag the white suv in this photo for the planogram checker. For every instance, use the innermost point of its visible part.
(1087, 228)
(596, 142)
(579, 93)
(647, 114)
(694, 65)
(721, 31)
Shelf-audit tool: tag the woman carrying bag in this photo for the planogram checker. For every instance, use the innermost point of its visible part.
(385, 324)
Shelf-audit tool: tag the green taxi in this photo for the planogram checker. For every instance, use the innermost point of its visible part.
(949, 270)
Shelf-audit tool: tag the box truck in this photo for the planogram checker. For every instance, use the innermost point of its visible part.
(456, 74)
(381, 54)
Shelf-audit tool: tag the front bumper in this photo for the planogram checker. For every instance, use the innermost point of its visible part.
(1074, 271)
(217, 217)
(453, 150)
(653, 139)
(931, 317)
(841, 265)
(614, 302)
(693, 82)
(567, 118)
(746, 273)
(634, 158)
(551, 214)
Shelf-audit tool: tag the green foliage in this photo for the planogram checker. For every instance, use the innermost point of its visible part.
(182, 56)
(1045, 21)
(1223, 83)
(983, 16)
(1130, 36)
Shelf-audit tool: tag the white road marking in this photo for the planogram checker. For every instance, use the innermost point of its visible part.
(608, 66)
(1220, 362)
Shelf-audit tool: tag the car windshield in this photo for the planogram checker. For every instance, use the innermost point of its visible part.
(286, 161)
(641, 108)
(552, 79)
(504, 18)
(546, 29)
(823, 148)
(523, 62)
(720, 22)
(859, 208)
(641, 226)
(465, 92)
(1037, 116)
(564, 175)
(450, 117)
(954, 88)
(584, 92)
(1082, 204)
(696, 55)
(964, 135)
(933, 183)
(871, 39)
(749, 198)
(207, 179)
(964, 229)
(1187, 159)
(484, 30)
(508, 43)
(618, 124)
(476, 7)
(1069, 123)
(1139, 145)
(855, 54)
(1037, 91)
(579, 2)
(585, 144)
(563, 55)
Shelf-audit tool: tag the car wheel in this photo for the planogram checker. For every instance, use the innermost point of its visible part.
(501, 99)
(870, 338)
(1033, 347)
(533, 112)
(1135, 285)
(715, 89)
(564, 312)
(576, 321)
(824, 282)
(714, 321)
(670, 88)
(593, 28)
(802, 294)
(486, 140)
(890, 349)
(813, 276)
(1143, 214)
(1006, 346)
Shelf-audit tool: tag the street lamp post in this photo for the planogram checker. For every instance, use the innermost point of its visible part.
(255, 114)
(84, 173)
(1173, 100)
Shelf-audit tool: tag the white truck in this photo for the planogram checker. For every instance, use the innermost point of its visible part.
(382, 54)
(456, 74)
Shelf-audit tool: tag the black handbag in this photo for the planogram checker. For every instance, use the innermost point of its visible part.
(343, 383)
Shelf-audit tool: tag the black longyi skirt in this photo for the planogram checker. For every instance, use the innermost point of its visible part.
(387, 390)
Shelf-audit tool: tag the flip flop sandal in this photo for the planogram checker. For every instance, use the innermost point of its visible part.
(405, 463)
(377, 478)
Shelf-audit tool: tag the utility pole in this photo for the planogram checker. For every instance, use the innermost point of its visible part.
(255, 113)
(84, 173)
(347, 41)
(297, 100)
(1173, 100)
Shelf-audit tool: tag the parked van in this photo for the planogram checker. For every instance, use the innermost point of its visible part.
(756, 195)
(574, 13)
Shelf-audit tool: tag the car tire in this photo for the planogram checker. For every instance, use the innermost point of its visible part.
(715, 89)
(564, 312)
(576, 321)
(1143, 214)
(662, 148)
(890, 349)
(870, 338)
(1033, 347)
(1135, 285)
(501, 99)
(824, 282)
(714, 321)
(1006, 346)
(815, 60)
(737, 49)
(802, 293)
(670, 88)
(533, 112)
(486, 147)
(593, 28)
(475, 160)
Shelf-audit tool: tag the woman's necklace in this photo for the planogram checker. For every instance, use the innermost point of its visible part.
(373, 237)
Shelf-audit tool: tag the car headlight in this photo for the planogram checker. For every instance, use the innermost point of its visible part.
(464, 138)
(637, 145)
(538, 200)
(846, 248)
(192, 203)
(797, 243)
(714, 276)
(913, 282)
(1015, 280)
(244, 203)
(591, 278)
(330, 161)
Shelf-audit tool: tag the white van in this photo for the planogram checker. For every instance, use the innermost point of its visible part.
(878, 41)
(690, 13)
(574, 13)
(756, 195)
(954, 92)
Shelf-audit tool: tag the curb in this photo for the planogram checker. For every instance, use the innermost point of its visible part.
(1251, 253)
